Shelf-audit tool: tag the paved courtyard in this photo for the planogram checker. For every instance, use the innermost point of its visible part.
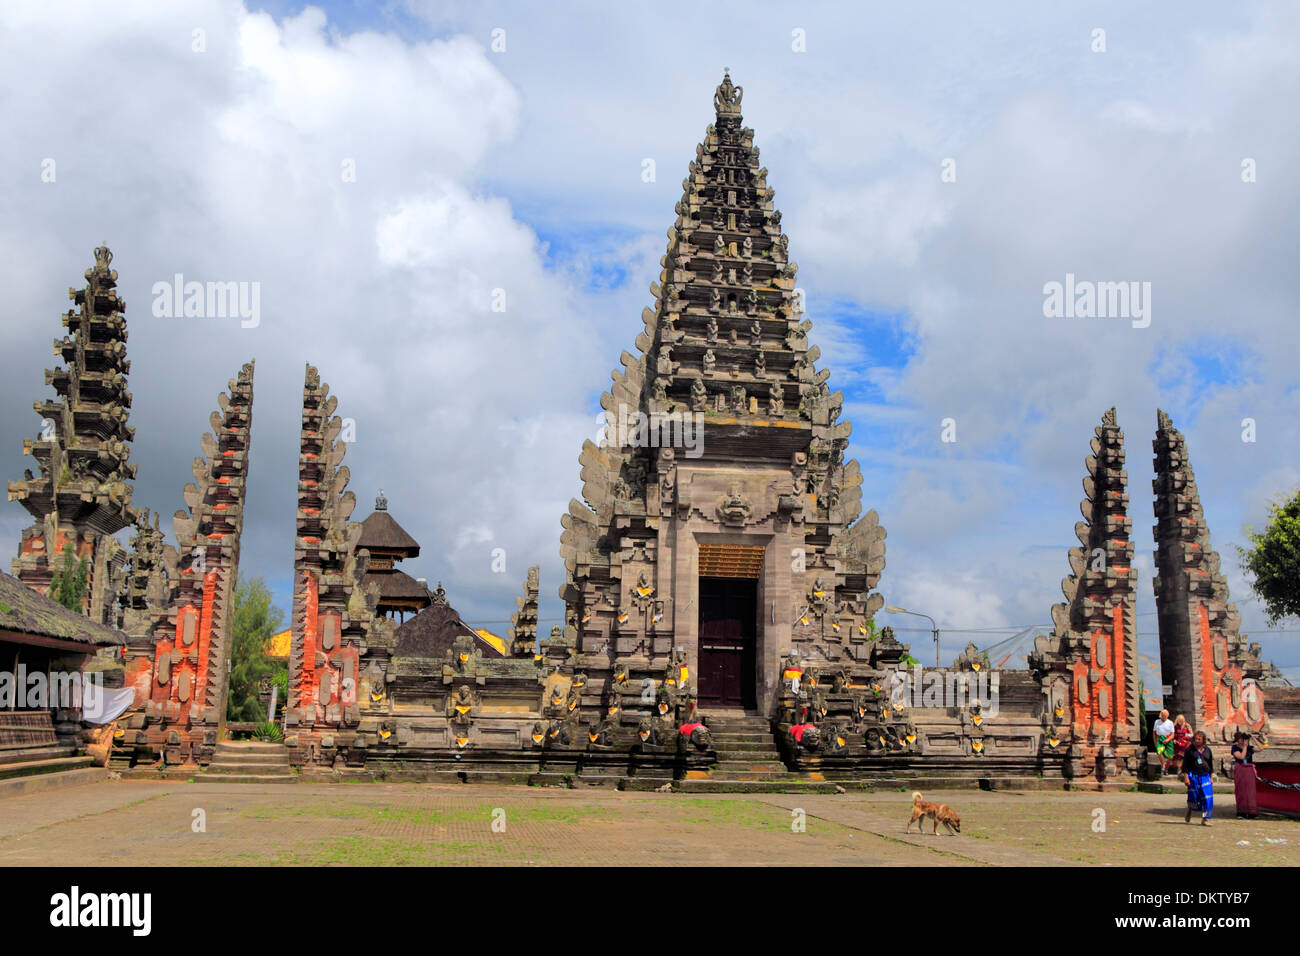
(131, 823)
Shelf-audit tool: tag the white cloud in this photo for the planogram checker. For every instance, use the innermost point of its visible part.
(227, 164)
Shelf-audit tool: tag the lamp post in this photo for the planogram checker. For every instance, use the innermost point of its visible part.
(893, 609)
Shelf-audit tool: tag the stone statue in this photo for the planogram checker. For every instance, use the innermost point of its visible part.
(776, 400)
(664, 363)
(739, 399)
(710, 360)
(699, 396)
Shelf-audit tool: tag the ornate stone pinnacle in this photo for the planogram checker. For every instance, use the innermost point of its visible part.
(381, 503)
(727, 98)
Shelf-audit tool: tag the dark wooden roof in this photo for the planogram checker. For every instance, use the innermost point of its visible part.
(380, 532)
(26, 611)
(398, 585)
(432, 632)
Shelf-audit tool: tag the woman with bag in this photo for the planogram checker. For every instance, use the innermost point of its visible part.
(1244, 776)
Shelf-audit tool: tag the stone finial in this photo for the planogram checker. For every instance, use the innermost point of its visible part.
(726, 101)
(381, 503)
(103, 258)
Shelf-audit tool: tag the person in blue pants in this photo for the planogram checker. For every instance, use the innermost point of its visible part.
(1198, 764)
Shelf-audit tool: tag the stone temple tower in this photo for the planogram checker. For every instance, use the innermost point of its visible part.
(717, 522)
(82, 495)
(1211, 669)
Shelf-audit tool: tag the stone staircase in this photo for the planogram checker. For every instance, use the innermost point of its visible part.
(748, 761)
(247, 761)
(30, 748)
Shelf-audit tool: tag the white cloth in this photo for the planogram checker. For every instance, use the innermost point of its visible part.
(1164, 728)
(104, 706)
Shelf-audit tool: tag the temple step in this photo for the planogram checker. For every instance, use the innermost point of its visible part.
(26, 731)
(251, 762)
(729, 767)
(28, 754)
(746, 752)
(28, 768)
(773, 783)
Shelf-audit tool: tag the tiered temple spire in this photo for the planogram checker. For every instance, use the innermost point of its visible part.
(1089, 664)
(727, 336)
(1203, 657)
(82, 495)
(724, 352)
(523, 623)
(330, 600)
(185, 685)
(148, 587)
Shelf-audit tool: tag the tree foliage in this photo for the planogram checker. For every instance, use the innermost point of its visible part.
(68, 586)
(255, 620)
(1273, 560)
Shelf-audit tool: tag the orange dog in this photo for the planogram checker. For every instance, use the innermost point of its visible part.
(938, 812)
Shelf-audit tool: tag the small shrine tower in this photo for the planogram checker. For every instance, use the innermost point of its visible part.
(388, 543)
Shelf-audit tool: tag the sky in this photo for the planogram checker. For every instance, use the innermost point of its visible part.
(379, 170)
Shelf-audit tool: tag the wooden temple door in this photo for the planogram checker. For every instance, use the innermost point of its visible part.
(728, 639)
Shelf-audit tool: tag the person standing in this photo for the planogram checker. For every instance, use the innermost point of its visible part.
(1198, 765)
(1182, 736)
(1164, 737)
(1244, 776)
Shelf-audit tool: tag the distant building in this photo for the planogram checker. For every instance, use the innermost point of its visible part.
(388, 543)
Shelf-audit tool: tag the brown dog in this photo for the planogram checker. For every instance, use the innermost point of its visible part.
(938, 812)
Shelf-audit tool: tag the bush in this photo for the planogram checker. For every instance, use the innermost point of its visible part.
(269, 732)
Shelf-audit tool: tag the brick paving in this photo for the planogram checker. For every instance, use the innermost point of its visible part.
(153, 823)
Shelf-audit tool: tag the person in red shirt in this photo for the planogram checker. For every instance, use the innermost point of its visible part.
(1182, 737)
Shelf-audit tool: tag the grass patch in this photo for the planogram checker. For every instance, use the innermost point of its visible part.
(427, 816)
(381, 851)
(746, 814)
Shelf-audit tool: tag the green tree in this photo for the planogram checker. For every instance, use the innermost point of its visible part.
(254, 621)
(68, 586)
(1273, 560)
